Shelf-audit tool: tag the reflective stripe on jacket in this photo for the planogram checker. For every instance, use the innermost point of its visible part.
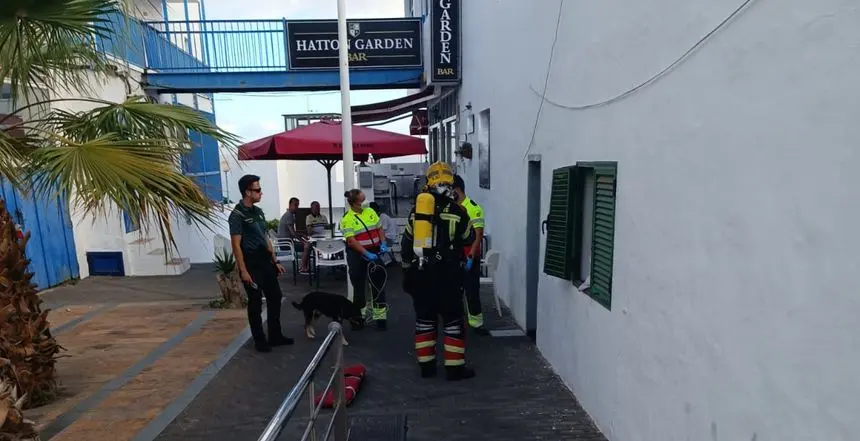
(476, 219)
(364, 226)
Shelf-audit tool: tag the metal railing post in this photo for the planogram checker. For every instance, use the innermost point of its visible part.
(313, 409)
(341, 431)
(338, 422)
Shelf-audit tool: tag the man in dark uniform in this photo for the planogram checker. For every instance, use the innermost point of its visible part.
(435, 279)
(258, 266)
(472, 255)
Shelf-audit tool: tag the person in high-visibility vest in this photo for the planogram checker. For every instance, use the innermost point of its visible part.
(431, 252)
(472, 256)
(365, 240)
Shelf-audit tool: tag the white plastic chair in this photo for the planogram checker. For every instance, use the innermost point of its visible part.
(285, 253)
(491, 263)
(329, 253)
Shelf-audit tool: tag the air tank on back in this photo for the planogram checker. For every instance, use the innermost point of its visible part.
(425, 206)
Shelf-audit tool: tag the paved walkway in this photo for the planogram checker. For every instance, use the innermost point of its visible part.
(133, 347)
(515, 396)
(147, 360)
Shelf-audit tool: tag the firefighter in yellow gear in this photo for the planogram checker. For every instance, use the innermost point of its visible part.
(472, 258)
(431, 248)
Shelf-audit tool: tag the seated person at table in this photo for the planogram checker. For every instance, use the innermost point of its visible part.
(388, 224)
(287, 230)
(316, 222)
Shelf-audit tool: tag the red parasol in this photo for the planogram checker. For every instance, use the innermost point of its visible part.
(322, 142)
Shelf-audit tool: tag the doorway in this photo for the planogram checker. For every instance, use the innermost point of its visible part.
(533, 222)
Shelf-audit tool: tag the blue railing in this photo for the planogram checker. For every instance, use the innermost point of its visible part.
(221, 45)
(125, 40)
(143, 46)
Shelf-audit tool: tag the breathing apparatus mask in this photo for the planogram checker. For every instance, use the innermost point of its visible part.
(442, 190)
(440, 179)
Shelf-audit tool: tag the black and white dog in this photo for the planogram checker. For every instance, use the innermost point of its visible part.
(333, 306)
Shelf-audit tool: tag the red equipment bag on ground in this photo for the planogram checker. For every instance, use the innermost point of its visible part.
(354, 376)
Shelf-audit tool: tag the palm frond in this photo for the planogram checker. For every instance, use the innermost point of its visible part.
(16, 143)
(126, 156)
(134, 176)
(10, 157)
(139, 118)
(50, 43)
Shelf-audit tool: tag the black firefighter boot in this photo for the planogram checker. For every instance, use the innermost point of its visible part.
(457, 373)
(428, 369)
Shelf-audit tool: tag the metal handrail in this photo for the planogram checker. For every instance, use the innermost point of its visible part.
(338, 422)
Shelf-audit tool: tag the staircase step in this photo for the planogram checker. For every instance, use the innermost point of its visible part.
(378, 428)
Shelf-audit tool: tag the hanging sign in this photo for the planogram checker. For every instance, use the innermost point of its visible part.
(420, 122)
(373, 44)
(445, 29)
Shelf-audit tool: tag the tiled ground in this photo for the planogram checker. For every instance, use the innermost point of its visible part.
(514, 397)
(130, 351)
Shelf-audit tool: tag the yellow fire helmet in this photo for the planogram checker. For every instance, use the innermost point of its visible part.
(439, 173)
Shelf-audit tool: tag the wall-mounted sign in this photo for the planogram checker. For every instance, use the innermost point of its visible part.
(373, 44)
(420, 122)
(445, 63)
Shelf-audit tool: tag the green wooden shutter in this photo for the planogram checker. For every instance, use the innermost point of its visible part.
(603, 235)
(558, 258)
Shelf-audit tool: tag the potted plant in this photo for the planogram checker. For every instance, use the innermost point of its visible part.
(228, 281)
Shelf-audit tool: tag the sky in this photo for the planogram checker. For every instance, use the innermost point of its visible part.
(254, 115)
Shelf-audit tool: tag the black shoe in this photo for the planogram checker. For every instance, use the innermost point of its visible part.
(428, 369)
(262, 346)
(357, 326)
(457, 373)
(482, 331)
(382, 325)
(281, 341)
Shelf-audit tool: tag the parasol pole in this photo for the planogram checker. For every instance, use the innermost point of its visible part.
(328, 166)
(345, 113)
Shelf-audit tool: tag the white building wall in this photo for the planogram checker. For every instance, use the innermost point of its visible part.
(735, 291)
(143, 251)
(146, 10)
(272, 176)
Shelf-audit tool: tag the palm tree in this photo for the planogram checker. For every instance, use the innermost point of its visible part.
(113, 156)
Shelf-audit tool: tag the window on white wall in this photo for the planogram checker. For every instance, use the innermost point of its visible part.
(434, 144)
(451, 147)
(580, 228)
(484, 149)
(586, 188)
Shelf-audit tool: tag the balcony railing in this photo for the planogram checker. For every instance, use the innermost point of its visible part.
(142, 45)
(220, 45)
